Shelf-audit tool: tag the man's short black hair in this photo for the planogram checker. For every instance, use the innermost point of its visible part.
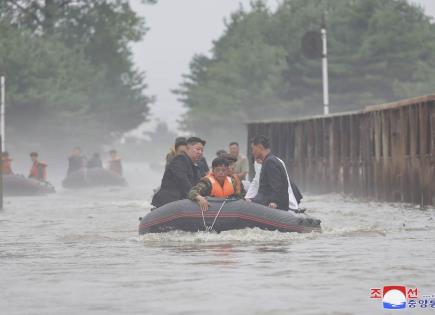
(33, 153)
(263, 140)
(195, 140)
(221, 152)
(234, 143)
(219, 162)
(230, 158)
(113, 151)
(180, 141)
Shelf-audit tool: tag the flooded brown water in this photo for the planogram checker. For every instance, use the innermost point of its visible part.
(79, 252)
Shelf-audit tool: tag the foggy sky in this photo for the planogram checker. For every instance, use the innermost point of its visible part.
(178, 30)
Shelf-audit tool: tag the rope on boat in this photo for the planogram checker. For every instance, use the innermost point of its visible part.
(210, 228)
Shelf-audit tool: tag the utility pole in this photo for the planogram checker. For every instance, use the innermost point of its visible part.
(325, 67)
(2, 135)
(2, 112)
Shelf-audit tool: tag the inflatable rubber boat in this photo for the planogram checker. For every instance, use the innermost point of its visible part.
(94, 177)
(224, 215)
(19, 185)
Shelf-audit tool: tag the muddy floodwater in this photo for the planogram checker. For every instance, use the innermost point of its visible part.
(79, 253)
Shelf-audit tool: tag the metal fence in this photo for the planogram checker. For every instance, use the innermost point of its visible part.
(384, 152)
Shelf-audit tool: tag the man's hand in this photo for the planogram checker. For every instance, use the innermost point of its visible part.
(273, 205)
(203, 203)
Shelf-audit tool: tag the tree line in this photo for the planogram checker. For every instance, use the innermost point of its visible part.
(379, 51)
(70, 72)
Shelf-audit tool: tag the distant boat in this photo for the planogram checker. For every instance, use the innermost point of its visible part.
(94, 177)
(19, 185)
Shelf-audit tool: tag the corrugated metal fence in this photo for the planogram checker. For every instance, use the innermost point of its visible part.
(385, 152)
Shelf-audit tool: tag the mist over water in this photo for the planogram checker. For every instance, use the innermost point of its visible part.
(79, 252)
(119, 75)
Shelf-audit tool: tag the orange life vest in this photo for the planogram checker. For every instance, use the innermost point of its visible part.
(38, 171)
(218, 191)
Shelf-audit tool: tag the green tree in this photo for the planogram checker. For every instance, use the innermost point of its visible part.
(378, 51)
(76, 60)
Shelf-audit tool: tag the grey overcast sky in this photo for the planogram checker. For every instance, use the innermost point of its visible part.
(178, 30)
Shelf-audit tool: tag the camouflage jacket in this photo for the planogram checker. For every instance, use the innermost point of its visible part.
(203, 188)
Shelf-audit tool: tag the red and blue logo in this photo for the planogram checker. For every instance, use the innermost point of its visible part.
(394, 297)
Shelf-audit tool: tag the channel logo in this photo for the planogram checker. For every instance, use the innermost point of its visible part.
(394, 297)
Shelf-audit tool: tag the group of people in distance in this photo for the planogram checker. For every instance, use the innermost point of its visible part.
(38, 169)
(78, 162)
(187, 176)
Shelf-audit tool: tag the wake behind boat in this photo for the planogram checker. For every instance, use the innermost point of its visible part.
(224, 215)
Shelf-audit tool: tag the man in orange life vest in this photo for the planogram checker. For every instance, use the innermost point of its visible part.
(217, 184)
(38, 170)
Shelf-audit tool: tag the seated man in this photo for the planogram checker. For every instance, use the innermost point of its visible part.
(38, 170)
(217, 184)
(76, 161)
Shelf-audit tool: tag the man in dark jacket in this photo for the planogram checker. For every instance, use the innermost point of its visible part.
(181, 174)
(273, 188)
(76, 161)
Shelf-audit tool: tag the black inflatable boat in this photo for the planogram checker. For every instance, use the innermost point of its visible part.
(19, 185)
(224, 215)
(95, 177)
